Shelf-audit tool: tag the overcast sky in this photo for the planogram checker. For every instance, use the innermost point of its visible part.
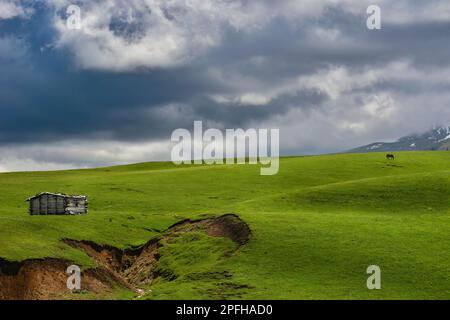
(113, 91)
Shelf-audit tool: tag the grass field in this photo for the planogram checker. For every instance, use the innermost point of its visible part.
(316, 226)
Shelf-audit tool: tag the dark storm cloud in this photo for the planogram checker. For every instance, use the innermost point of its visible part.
(62, 102)
(302, 62)
(65, 104)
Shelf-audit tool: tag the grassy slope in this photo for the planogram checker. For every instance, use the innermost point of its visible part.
(317, 225)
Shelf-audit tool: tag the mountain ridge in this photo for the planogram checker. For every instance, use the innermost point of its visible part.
(436, 139)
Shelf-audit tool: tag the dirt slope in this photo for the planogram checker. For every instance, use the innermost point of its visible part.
(127, 269)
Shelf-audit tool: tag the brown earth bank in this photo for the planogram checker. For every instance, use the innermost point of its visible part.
(127, 269)
(47, 279)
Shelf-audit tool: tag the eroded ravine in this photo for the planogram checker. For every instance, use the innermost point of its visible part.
(128, 269)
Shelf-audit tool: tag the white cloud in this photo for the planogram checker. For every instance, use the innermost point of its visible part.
(80, 154)
(403, 12)
(360, 101)
(333, 81)
(359, 108)
(125, 35)
(122, 35)
(13, 8)
(163, 33)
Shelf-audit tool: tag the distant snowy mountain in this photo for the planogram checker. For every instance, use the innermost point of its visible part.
(436, 139)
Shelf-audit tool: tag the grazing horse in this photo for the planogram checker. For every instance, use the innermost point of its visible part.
(390, 156)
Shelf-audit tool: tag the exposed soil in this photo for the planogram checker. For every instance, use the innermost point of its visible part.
(46, 279)
(229, 226)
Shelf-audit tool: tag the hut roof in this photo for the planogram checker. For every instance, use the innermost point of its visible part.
(57, 194)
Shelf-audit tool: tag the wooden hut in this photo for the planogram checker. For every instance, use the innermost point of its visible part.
(57, 203)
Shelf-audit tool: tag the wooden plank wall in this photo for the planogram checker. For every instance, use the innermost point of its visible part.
(34, 206)
(53, 204)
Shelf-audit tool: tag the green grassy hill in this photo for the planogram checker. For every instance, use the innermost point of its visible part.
(316, 226)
